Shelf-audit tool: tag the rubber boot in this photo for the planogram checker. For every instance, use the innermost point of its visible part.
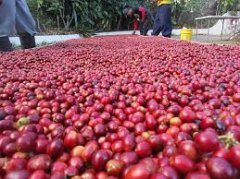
(5, 44)
(27, 41)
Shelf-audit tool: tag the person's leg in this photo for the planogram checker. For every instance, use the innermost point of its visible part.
(141, 27)
(5, 44)
(144, 30)
(27, 41)
(25, 25)
(7, 23)
(166, 20)
(146, 25)
(157, 23)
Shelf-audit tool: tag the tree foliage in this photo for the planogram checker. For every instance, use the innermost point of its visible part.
(105, 15)
(94, 14)
(228, 5)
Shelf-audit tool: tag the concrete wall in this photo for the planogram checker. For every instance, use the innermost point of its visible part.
(47, 39)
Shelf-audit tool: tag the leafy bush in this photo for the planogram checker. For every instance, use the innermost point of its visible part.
(84, 15)
(99, 15)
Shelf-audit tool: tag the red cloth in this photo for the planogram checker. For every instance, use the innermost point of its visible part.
(135, 21)
(143, 11)
(135, 24)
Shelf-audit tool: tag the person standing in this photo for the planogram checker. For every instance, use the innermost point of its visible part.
(162, 21)
(141, 19)
(15, 18)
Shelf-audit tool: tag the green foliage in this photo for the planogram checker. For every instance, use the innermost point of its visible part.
(99, 15)
(83, 14)
(229, 5)
(187, 10)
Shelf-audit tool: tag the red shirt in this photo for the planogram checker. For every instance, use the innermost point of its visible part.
(141, 11)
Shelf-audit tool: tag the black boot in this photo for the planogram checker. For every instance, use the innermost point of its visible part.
(5, 44)
(27, 41)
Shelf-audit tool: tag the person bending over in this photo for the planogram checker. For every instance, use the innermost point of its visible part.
(141, 18)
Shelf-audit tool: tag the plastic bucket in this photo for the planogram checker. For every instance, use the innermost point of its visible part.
(186, 34)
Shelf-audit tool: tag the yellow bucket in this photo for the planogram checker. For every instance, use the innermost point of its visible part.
(186, 34)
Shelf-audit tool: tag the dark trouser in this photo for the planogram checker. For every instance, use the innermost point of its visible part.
(162, 21)
(145, 25)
